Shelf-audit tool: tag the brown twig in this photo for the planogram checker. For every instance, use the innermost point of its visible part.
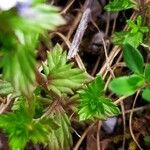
(130, 122)
(98, 136)
(76, 147)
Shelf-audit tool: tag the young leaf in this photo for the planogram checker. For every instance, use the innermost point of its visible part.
(118, 5)
(126, 85)
(119, 37)
(133, 59)
(62, 77)
(134, 37)
(146, 94)
(22, 128)
(93, 105)
(147, 73)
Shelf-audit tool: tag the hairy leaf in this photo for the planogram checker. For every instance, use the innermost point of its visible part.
(126, 85)
(133, 59)
(61, 138)
(19, 65)
(118, 5)
(93, 104)
(22, 128)
(62, 77)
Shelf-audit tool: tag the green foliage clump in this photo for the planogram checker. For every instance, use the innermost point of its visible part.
(128, 85)
(61, 76)
(94, 104)
(21, 128)
(118, 5)
(134, 36)
(61, 138)
(38, 112)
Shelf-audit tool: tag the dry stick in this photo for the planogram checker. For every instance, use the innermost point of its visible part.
(121, 102)
(120, 99)
(114, 52)
(3, 107)
(99, 58)
(114, 24)
(130, 121)
(76, 133)
(96, 66)
(105, 50)
(77, 57)
(49, 110)
(67, 7)
(82, 137)
(74, 25)
(138, 109)
(108, 23)
(124, 124)
(80, 30)
(107, 59)
(112, 55)
(122, 106)
(145, 46)
(98, 137)
(110, 77)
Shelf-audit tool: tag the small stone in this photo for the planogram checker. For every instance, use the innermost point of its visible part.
(109, 125)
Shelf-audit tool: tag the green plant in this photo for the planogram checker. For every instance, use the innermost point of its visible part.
(139, 80)
(134, 36)
(42, 100)
(35, 117)
(94, 104)
(118, 5)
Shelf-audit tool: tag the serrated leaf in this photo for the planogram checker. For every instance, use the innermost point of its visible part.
(126, 85)
(19, 66)
(22, 128)
(5, 88)
(93, 104)
(133, 59)
(61, 138)
(119, 37)
(146, 94)
(118, 5)
(62, 77)
(134, 39)
(147, 73)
